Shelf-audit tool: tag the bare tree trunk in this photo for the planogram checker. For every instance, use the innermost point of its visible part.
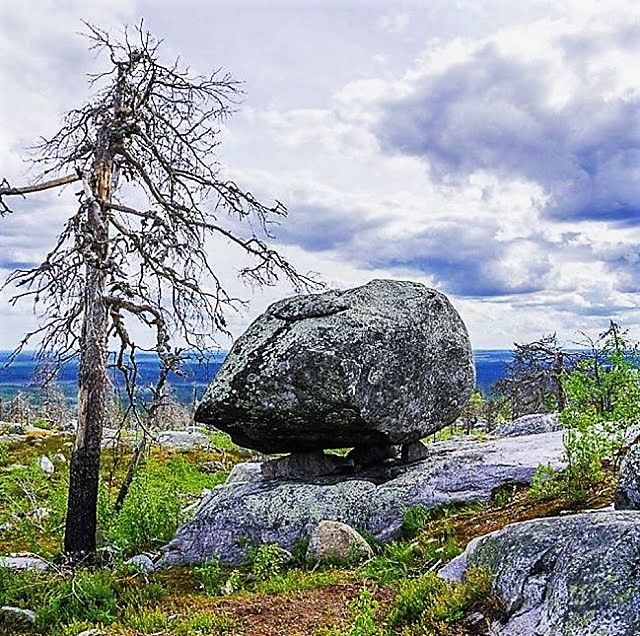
(93, 382)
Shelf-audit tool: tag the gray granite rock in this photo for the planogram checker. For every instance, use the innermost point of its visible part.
(530, 425)
(142, 562)
(16, 615)
(183, 440)
(46, 465)
(23, 562)
(335, 540)
(563, 576)
(627, 495)
(386, 363)
(251, 507)
(306, 465)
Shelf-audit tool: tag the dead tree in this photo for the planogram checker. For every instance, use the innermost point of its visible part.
(150, 134)
(533, 378)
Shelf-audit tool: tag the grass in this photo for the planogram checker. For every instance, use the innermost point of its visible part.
(394, 593)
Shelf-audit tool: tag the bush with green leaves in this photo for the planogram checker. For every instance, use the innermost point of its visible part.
(86, 596)
(268, 561)
(602, 410)
(212, 576)
(428, 604)
(152, 510)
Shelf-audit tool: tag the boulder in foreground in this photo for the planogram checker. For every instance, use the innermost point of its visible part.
(562, 576)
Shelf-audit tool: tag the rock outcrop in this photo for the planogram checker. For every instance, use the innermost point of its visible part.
(386, 363)
(563, 576)
(262, 510)
(530, 425)
(627, 495)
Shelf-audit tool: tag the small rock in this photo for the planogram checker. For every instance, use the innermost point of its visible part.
(40, 514)
(212, 467)
(332, 539)
(46, 465)
(5, 527)
(141, 562)
(16, 429)
(183, 440)
(227, 588)
(92, 632)
(59, 458)
(18, 615)
(245, 472)
(414, 452)
(21, 562)
(365, 456)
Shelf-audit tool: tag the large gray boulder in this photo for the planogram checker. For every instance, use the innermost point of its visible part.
(253, 507)
(627, 495)
(563, 576)
(386, 363)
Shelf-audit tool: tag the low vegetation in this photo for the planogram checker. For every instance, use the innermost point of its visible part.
(395, 592)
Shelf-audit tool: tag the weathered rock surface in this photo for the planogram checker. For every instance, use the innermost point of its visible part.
(306, 465)
(249, 506)
(627, 495)
(46, 465)
(16, 616)
(335, 540)
(563, 576)
(23, 562)
(385, 363)
(142, 562)
(530, 425)
(183, 440)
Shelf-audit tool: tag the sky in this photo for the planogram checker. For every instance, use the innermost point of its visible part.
(487, 148)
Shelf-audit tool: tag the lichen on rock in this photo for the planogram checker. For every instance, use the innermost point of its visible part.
(386, 363)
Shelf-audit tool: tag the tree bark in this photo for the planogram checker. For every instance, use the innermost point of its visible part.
(93, 382)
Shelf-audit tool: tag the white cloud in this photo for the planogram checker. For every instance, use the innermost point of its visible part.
(510, 97)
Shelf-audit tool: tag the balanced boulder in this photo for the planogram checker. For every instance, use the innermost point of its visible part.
(386, 363)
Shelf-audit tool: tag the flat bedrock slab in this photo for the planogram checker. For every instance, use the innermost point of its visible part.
(386, 363)
(563, 576)
(249, 506)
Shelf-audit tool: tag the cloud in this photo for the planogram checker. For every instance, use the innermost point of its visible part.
(566, 118)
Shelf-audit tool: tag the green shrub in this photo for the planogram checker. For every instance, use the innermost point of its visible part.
(392, 564)
(268, 561)
(87, 596)
(4, 454)
(150, 515)
(414, 520)
(602, 409)
(212, 576)
(431, 604)
(546, 482)
(362, 621)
